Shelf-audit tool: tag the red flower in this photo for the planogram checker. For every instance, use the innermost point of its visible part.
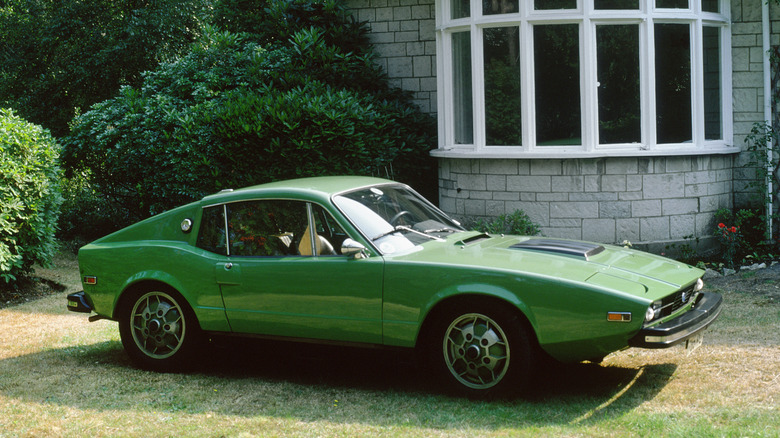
(733, 229)
(721, 225)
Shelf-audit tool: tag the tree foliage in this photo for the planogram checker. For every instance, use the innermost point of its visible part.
(29, 195)
(58, 57)
(268, 21)
(245, 108)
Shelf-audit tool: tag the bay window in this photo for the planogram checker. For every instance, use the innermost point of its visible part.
(583, 77)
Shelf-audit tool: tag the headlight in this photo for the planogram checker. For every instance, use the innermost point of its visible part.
(653, 311)
(699, 285)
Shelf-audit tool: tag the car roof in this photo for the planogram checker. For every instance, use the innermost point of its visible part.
(313, 188)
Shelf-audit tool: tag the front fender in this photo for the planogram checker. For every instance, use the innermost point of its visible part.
(476, 290)
(411, 294)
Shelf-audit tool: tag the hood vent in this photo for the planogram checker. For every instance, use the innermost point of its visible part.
(566, 247)
(473, 239)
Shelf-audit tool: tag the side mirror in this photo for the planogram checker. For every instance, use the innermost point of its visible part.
(354, 249)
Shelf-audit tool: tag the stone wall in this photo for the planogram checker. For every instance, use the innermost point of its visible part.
(747, 66)
(402, 33)
(654, 202)
(747, 83)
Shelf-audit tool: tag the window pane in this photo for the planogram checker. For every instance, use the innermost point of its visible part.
(461, 82)
(266, 228)
(710, 5)
(502, 86)
(492, 7)
(672, 4)
(673, 83)
(459, 9)
(555, 4)
(712, 103)
(557, 76)
(330, 235)
(618, 76)
(211, 236)
(616, 4)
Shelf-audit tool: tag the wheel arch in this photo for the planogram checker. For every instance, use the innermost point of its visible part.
(516, 306)
(147, 285)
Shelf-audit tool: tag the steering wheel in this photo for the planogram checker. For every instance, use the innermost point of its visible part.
(394, 220)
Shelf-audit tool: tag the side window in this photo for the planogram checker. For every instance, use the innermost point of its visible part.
(329, 233)
(266, 228)
(272, 228)
(211, 236)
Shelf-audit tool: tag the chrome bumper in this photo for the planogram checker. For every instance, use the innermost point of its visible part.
(704, 312)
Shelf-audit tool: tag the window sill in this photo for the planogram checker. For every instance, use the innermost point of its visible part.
(563, 153)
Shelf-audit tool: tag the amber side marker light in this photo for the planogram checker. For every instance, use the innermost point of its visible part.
(619, 316)
(90, 279)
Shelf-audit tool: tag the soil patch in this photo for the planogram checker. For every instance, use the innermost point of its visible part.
(27, 289)
(763, 282)
(61, 276)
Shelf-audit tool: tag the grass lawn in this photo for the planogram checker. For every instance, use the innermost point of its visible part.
(63, 376)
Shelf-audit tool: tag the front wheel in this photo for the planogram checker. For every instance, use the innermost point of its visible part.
(158, 331)
(481, 350)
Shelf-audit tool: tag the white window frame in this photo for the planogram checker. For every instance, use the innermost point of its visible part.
(588, 19)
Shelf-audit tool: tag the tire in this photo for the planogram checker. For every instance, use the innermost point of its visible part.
(480, 350)
(159, 331)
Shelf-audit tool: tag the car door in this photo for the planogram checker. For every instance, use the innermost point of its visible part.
(281, 274)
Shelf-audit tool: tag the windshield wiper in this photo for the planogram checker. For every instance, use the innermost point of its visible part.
(419, 233)
(440, 230)
(387, 233)
(407, 229)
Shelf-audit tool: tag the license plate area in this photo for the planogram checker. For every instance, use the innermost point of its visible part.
(694, 342)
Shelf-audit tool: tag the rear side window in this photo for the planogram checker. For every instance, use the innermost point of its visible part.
(212, 235)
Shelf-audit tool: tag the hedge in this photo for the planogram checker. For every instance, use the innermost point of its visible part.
(29, 195)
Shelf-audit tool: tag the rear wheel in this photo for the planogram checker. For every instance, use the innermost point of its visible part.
(158, 330)
(481, 350)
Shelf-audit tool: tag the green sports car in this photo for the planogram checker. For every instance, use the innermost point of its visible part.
(368, 261)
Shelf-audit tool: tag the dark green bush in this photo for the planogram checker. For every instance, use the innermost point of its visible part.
(268, 21)
(515, 223)
(747, 241)
(29, 195)
(84, 213)
(237, 112)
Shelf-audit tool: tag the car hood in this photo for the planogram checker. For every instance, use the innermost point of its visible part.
(616, 268)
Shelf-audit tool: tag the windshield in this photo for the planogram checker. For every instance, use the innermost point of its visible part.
(395, 218)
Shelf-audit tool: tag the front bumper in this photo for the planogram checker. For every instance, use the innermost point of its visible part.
(704, 312)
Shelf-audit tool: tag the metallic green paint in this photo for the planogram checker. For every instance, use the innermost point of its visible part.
(383, 299)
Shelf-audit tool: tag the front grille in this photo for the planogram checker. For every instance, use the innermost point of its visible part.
(676, 301)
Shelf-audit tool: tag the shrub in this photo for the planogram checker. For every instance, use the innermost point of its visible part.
(29, 195)
(741, 234)
(237, 112)
(84, 213)
(764, 158)
(269, 21)
(517, 223)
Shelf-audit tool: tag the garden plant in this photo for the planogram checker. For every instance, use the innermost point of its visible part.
(29, 196)
(285, 90)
